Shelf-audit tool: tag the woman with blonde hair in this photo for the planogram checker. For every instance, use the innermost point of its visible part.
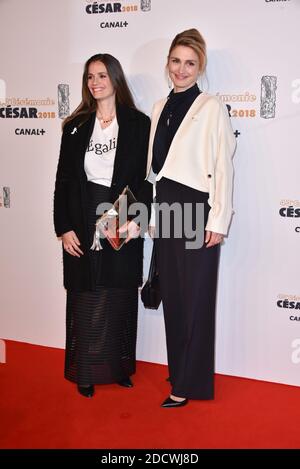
(190, 153)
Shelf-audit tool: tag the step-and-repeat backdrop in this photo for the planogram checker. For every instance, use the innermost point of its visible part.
(254, 68)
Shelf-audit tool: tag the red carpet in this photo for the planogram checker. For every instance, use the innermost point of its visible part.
(40, 409)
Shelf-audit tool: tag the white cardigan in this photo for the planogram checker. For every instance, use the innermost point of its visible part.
(200, 156)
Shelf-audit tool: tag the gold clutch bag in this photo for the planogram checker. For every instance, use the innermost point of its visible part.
(108, 225)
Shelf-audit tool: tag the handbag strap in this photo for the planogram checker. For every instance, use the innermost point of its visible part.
(153, 264)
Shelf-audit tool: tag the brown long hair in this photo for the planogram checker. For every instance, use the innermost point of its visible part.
(193, 39)
(117, 77)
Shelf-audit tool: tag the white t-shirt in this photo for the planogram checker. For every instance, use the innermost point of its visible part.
(100, 154)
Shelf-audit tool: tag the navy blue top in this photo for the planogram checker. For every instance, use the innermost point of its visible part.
(170, 119)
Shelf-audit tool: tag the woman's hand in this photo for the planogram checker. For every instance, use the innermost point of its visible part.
(71, 244)
(211, 238)
(133, 230)
(151, 231)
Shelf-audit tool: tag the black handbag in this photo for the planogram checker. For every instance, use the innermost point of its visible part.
(150, 292)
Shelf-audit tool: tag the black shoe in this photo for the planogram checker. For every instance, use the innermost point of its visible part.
(86, 391)
(170, 403)
(126, 383)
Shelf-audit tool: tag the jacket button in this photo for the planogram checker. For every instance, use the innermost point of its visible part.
(209, 175)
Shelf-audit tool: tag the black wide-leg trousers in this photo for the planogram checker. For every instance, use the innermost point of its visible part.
(188, 280)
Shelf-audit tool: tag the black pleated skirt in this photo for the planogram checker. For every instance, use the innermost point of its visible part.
(101, 325)
(188, 280)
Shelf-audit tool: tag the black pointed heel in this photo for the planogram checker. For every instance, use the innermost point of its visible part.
(171, 403)
(126, 383)
(86, 391)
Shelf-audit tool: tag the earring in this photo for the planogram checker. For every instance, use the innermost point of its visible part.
(170, 84)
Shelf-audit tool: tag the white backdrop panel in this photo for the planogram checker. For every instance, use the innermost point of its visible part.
(246, 41)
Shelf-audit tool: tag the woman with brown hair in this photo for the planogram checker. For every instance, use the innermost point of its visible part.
(103, 149)
(190, 153)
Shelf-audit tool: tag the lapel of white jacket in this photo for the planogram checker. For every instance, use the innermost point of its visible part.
(187, 120)
(194, 109)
